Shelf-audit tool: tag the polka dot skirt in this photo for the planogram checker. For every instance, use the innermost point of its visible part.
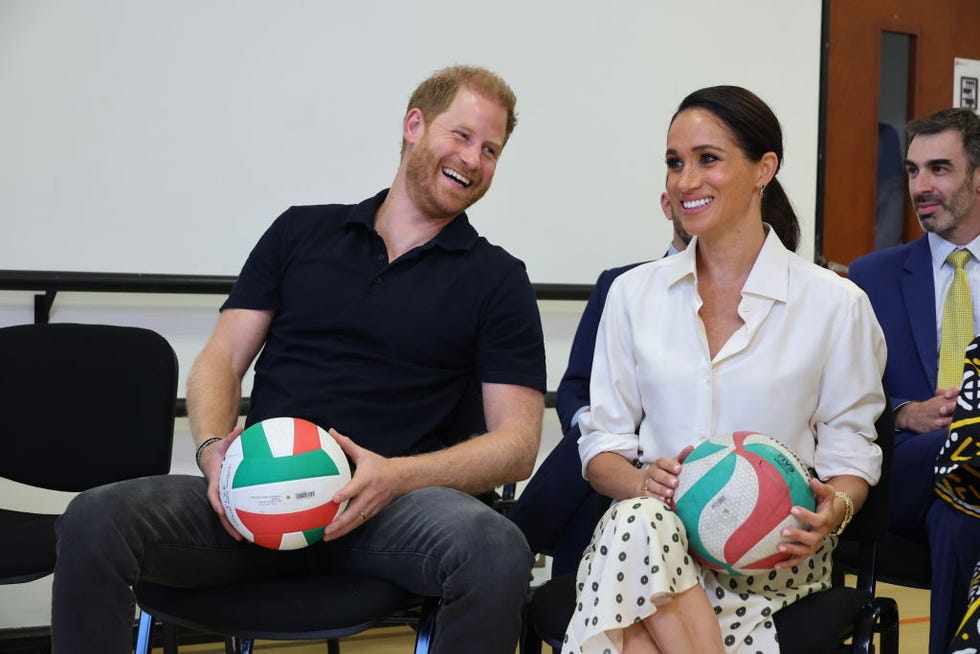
(638, 558)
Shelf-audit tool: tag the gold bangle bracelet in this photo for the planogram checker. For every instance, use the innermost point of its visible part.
(848, 512)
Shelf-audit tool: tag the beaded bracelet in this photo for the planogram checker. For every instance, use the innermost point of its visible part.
(200, 449)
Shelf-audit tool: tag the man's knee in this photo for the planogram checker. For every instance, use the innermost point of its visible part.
(126, 511)
(91, 516)
(490, 549)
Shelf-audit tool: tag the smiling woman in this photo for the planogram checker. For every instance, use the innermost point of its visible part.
(727, 135)
(714, 187)
(748, 320)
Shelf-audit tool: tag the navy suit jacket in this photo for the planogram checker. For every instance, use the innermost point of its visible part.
(899, 283)
(573, 391)
(558, 510)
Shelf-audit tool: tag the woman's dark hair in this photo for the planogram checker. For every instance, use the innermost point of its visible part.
(756, 131)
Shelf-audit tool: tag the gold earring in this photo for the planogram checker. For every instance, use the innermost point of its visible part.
(762, 189)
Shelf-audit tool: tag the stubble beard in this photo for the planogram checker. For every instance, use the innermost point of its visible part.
(420, 173)
(951, 212)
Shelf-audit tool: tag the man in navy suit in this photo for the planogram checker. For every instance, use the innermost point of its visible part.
(558, 509)
(907, 285)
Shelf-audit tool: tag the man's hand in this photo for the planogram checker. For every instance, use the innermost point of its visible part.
(934, 413)
(375, 485)
(211, 459)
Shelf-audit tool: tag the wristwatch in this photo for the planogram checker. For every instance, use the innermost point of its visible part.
(848, 512)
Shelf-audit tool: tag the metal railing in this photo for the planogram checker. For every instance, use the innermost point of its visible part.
(47, 284)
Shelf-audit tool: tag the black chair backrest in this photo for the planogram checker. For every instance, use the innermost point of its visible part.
(84, 405)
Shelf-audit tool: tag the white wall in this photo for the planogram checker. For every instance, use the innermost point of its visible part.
(164, 136)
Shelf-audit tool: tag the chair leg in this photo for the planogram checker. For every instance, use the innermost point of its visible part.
(144, 635)
(889, 624)
(333, 646)
(427, 625)
(169, 638)
(236, 645)
(530, 642)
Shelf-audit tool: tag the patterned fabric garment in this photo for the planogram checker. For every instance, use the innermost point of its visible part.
(638, 558)
(967, 639)
(958, 464)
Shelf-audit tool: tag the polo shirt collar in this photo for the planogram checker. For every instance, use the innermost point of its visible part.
(458, 234)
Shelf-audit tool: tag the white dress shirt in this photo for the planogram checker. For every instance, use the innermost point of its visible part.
(804, 368)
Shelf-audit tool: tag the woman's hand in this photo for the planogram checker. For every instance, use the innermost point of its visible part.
(803, 542)
(660, 479)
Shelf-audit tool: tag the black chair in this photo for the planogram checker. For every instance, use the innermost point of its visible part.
(81, 406)
(309, 608)
(900, 561)
(817, 624)
(327, 607)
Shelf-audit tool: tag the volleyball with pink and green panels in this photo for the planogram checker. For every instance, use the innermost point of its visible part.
(277, 481)
(734, 497)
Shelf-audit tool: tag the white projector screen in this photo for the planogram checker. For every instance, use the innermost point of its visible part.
(164, 136)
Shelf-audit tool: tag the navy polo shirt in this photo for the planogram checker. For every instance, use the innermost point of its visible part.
(391, 355)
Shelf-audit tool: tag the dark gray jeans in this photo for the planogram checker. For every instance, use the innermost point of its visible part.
(435, 542)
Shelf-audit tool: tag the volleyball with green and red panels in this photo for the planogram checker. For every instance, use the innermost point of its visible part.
(277, 481)
(734, 497)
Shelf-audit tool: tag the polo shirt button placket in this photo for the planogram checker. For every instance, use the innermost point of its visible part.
(382, 259)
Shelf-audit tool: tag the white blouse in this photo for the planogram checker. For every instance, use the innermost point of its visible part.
(804, 368)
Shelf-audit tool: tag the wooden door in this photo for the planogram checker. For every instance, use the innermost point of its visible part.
(939, 31)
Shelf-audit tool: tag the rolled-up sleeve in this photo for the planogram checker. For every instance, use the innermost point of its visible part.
(851, 397)
(611, 422)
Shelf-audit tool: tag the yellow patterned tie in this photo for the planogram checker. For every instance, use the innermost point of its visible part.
(957, 329)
